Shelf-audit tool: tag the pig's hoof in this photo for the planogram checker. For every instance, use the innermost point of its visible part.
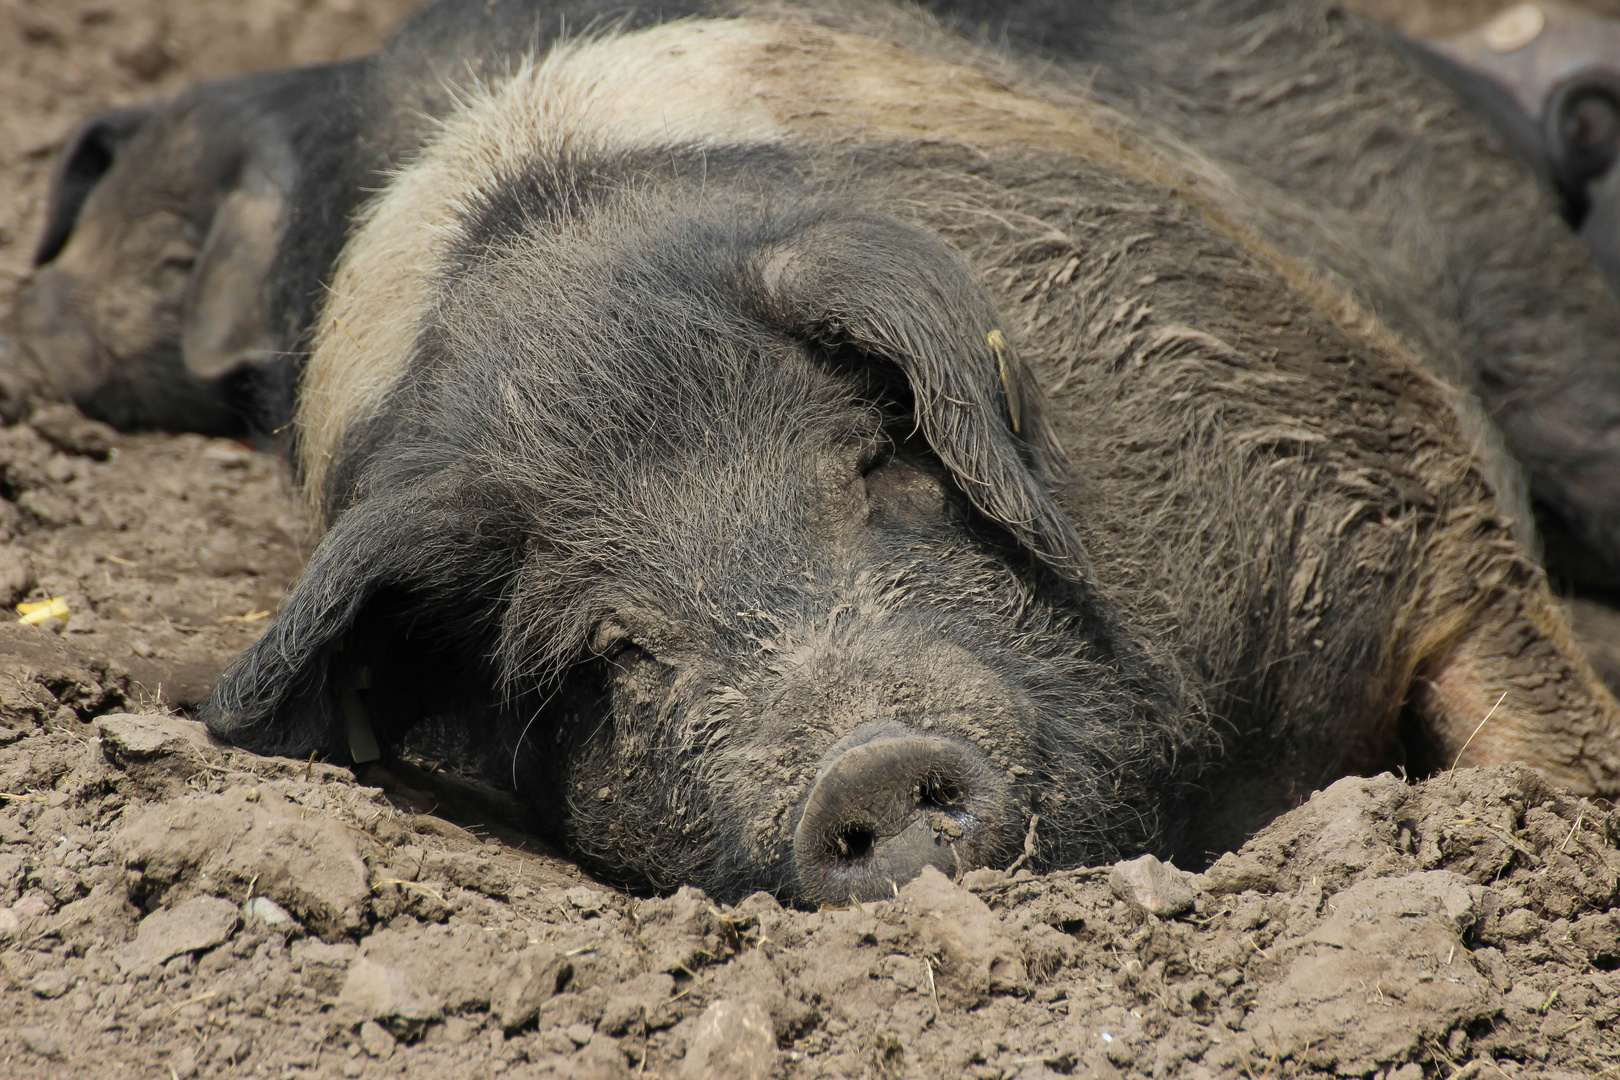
(885, 809)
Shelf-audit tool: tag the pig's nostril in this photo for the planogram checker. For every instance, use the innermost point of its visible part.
(935, 794)
(883, 810)
(853, 843)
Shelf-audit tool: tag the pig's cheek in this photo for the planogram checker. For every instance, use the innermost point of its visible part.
(140, 316)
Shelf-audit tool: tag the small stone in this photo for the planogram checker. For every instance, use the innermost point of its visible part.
(682, 932)
(529, 980)
(262, 909)
(200, 923)
(375, 1040)
(59, 469)
(231, 1049)
(247, 838)
(1519, 925)
(638, 1004)
(127, 735)
(1409, 1071)
(352, 1068)
(49, 506)
(374, 991)
(323, 966)
(586, 901)
(972, 953)
(732, 1041)
(458, 1029)
(1155, 887)
(757, 905)
(1240, 871)
(983, 878)
(32, 905)
(146, 62)
(40, 1041)
(71, 432)
(579, 1034)
(9, 923)
(51, 984)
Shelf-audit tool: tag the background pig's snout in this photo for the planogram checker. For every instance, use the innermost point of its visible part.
(885, 809)
(54, 349)
(20, 380)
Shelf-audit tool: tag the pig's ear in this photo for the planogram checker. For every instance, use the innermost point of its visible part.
(397, 598)
(1582, 125)
(898, 293)
(226, 311)
(90, 154)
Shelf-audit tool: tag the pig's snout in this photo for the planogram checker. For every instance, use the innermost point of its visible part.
(883, 810)
(20, 380)
(59, 355)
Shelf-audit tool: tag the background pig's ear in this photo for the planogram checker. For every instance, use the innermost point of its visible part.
(391, 618)
(1582, 125)
(226, 313)
(90, 153)
(898, 293)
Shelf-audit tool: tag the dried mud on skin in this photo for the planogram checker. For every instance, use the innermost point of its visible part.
(172, 908)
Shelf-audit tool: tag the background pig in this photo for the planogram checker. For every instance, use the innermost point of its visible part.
(151, 302)
(796, 446)
(184, 243)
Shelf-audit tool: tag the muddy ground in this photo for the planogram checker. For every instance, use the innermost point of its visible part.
(172, 908)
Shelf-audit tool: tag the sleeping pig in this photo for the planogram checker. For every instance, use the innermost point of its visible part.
(791, 445)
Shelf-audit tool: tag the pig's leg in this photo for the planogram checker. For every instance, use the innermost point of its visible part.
(1514, 685)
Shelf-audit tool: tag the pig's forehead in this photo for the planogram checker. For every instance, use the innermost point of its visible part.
(761, 82)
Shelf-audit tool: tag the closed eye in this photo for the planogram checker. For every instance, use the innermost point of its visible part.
(904, 489)
(879, 457)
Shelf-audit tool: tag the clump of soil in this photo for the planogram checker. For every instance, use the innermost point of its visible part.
(171, 908)
(170, 903)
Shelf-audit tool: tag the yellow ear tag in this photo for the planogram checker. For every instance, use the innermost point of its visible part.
(37, 612)
(998, 345)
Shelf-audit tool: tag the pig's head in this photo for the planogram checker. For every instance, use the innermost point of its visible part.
(150, 295)
(726, 532)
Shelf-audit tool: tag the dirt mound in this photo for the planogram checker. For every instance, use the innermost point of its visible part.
(173, 904)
